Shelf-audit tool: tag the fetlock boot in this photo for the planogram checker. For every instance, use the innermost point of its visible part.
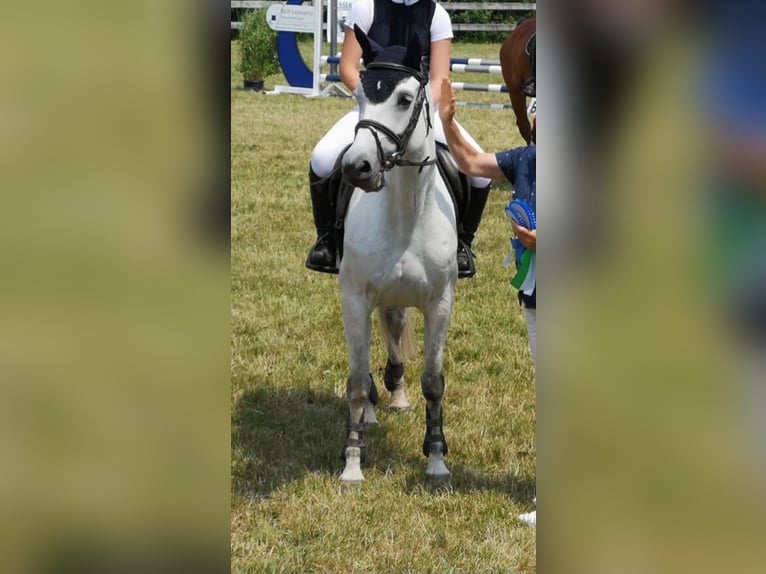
(323, 256)
(466, 266)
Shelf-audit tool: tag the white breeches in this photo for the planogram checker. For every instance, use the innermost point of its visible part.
(328, 148)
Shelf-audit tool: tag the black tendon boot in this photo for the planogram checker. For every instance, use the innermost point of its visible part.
(323, 256)
(465, 257)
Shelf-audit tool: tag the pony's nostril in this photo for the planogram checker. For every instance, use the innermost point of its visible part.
(365, 167)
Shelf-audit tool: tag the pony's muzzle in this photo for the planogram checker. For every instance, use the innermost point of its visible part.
(359, 172)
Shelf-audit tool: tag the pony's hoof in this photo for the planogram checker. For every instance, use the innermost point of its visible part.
(529, 518)
(352, 477)
(369, 415)
(399, 402)
(398, 409)
(437, 470)
(438, 477)
(353, 470)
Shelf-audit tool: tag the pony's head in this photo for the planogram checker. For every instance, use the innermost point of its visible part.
(394, 112)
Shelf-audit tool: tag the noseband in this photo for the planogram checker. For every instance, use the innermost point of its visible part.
(401, 141)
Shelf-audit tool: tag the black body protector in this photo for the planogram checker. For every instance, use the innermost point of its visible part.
(395, 24)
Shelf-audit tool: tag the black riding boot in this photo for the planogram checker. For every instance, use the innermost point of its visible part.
(465, 257)
(323, 256)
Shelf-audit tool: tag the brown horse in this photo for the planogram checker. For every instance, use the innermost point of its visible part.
(516, 66)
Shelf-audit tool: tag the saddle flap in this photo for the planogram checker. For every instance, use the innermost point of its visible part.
(340, 190)
(457, 182)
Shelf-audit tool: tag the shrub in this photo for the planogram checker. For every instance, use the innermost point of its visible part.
(257, 47)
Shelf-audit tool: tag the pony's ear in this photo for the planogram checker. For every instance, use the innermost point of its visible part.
(370, 47)
(416, 49)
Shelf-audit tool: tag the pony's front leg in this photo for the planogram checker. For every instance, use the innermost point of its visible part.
(360, 388)
(436, 323)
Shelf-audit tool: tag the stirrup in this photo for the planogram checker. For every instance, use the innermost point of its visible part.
(471, 271)
(332, 269)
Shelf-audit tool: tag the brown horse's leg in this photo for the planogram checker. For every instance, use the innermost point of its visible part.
(514, 66)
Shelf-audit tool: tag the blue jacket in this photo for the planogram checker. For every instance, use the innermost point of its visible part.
(520, 167)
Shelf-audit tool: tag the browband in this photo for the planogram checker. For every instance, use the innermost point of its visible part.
(393, 66)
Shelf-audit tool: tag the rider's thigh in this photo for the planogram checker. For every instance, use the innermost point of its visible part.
(328, 148)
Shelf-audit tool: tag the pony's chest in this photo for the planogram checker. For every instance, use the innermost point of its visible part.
(403, 278)
(389, 255)
(405, 281)
(397, 258)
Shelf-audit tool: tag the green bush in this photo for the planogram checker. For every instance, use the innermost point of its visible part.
(257, 47)
(487, 16)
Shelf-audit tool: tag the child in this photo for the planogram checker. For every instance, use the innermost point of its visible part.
(519, 167)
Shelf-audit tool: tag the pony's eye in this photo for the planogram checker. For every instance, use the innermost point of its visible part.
(404, 100)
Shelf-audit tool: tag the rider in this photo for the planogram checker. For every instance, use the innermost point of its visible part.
(387, 22)
(517, 166)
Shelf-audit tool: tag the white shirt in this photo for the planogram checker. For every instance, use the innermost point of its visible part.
(363, 11)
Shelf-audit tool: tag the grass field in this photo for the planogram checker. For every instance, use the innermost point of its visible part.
(289, 511)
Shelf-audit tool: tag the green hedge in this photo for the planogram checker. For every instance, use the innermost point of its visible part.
(486, 17)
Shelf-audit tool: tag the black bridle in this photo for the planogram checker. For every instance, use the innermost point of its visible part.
(389, 161)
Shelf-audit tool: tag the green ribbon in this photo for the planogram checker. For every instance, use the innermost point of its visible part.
(523, 269)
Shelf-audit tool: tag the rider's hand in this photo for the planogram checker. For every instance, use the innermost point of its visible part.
(447, 102)
(527, 238)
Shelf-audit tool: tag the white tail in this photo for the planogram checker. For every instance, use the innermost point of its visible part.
(404, 349)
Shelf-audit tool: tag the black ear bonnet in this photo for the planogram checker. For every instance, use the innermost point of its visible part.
(386, 67)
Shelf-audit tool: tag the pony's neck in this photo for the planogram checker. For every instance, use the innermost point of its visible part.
(410, 189)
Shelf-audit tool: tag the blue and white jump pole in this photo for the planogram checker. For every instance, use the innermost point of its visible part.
(459, 65)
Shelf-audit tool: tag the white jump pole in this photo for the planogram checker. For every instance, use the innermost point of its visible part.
(317, 45)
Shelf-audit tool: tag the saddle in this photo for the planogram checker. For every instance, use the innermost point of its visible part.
(456, 181)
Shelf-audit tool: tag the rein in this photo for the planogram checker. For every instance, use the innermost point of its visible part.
(401, 141)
